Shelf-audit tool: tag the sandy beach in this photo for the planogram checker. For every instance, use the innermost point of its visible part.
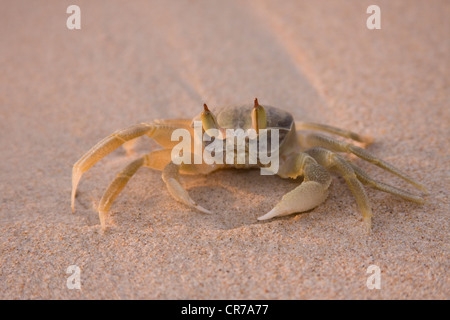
(61, 91)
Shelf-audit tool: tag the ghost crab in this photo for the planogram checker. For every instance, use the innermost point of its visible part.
(302, 152)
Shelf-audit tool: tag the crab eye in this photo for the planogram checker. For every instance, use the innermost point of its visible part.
(259, 120)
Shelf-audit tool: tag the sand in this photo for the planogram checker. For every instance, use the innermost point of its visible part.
(63, 90)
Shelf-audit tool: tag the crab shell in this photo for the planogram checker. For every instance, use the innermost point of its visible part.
(239, 117)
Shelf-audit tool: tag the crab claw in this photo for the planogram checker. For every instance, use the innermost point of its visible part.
(305, 197)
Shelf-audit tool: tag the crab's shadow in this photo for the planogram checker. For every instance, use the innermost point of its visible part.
(237, 197)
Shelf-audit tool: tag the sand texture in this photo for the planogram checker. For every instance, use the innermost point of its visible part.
(61, 91)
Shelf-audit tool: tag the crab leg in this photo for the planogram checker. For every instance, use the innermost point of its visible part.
(309, 194)
(170, 176)
(330, 159)
(160, 131)
(367, 180)
(333, 130)
(103, 148)
(155, 160)
(115, 187)
(317, 140)
(159, 160)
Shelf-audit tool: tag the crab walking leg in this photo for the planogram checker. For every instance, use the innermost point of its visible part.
(171, 177)
(337, 131)
(115, 188)
(155, 160)
(102, 149)
(332, 160)
(317, 140)
(309, 194)
(367, 180)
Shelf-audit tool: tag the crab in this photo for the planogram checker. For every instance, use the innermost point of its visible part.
(304, 149)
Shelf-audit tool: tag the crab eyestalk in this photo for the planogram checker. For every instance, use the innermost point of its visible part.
(259, 119)
(209, 121)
